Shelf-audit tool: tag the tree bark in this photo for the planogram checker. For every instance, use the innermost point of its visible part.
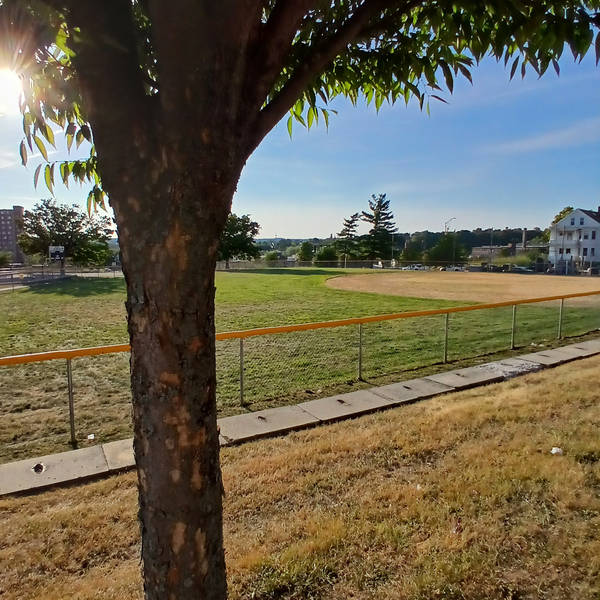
(169, 262)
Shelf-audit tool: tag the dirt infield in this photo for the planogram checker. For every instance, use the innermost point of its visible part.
(469, 287)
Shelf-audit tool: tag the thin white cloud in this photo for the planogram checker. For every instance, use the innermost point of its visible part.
(9, 159)
(583, 132)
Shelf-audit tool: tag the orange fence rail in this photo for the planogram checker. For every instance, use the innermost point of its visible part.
(68, 355)
(246, 333)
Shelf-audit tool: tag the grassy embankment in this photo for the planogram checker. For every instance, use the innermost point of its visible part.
(453, 498)
(278, 369)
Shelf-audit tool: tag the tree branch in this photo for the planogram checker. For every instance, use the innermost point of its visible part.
(107, 65)
(272, 46)
(320, 56)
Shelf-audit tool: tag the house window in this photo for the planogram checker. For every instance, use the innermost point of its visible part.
(569, 236)
(572, 220)
(594, 234)
(560, 233)
(585, 251)
(585, 236)
(568, 251)
(560, 250)
(593, 251)
(581, 220)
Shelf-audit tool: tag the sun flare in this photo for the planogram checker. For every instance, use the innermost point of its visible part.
(10, 91)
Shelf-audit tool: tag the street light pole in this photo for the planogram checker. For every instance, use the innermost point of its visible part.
(447, 223)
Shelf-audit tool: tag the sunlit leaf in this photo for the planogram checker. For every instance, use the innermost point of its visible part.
(49, 178)
(23, 153)
(40, 147)
(36, 175)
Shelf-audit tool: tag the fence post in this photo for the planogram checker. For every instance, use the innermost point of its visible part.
(514, 324)
(71, 404)
(242, 371)
(560, 317)
(360, 352)
(446, 325)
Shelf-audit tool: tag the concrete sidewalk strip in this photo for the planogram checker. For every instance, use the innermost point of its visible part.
(574, 352)
(38, 473)
(465, 378)
(264, 422)
(411, 390)
(345, 405)
(512, 367)
(548, 358)
(119, 455)
(592, 345)
(76, 465)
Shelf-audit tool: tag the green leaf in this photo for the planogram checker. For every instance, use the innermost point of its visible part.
(49, 178)
(439, 98)
(64, 173)
(447, 76)
(310, 117)
(465, 72)
(513, 69)
(41, 147)
(79, 138)
(69, 142)
(289, 125)
(36, 175)
(86, 133)
(49, 135)
(23, 153)
(597, 48)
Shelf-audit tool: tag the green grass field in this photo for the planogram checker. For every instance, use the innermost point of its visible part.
(279, 369)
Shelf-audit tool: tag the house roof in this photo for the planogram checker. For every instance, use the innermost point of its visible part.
(593, 214)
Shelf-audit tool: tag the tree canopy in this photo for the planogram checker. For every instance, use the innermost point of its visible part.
(562, 214)
(304, 54)
(447, 250)
(50, 224)
(237, 239)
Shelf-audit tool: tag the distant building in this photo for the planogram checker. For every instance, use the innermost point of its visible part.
(575, 240)
(10, 223)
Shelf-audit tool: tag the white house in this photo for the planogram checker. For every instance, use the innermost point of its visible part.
(575, 240)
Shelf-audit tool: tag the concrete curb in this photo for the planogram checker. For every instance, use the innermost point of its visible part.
(34, 474)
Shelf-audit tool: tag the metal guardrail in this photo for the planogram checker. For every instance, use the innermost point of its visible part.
(69, 355)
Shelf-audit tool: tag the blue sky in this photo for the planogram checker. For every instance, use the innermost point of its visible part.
(502, 153)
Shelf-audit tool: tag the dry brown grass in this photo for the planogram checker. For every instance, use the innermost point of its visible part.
(455, 498)
(470, 287)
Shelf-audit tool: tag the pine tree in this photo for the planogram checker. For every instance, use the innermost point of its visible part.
(381, 219)
(347, 236)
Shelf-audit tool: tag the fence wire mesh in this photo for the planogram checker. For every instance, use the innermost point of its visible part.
(393, 346)
(581, 315)
(292, 365)
(537, 324)
(479, 332)
(271, 370)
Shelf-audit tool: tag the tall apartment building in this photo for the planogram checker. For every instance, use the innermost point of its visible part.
(9, 230)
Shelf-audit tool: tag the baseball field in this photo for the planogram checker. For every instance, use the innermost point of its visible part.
(278, 369)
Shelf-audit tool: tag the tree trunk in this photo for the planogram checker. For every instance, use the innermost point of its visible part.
(169, 264)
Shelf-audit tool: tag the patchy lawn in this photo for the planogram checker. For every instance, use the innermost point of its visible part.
(452, 498)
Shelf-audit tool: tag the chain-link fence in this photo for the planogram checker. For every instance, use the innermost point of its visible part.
(86, 398)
